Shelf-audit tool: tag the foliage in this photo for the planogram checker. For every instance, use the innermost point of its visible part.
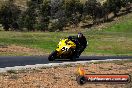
(58, 15)
(114, 6)
(52, 15)
(9, 14)
(44, 15)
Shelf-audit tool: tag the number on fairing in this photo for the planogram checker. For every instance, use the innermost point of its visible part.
(65, 49)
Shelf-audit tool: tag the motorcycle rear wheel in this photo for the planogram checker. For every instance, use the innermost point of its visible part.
(73, 57)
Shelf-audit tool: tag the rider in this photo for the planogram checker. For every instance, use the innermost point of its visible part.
(80, 42)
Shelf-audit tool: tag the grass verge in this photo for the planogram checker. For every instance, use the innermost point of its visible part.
(115, 39)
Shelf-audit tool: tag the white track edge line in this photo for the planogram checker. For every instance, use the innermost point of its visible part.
(50, 65)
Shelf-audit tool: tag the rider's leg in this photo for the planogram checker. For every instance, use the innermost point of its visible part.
(81, 50)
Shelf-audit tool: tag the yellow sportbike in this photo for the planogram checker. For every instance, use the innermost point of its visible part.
(65, 50)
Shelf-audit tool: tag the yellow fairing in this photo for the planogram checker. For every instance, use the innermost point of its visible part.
(64, 46)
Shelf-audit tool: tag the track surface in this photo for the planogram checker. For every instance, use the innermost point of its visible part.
(32, 60)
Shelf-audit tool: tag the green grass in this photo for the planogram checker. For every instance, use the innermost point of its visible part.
(115, 44)
(115, 39)
(99, 42)
(125, 27)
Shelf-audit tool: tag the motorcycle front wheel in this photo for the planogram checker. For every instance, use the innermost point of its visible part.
(52, 56)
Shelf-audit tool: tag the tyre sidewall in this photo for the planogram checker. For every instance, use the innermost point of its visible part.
(52, 56)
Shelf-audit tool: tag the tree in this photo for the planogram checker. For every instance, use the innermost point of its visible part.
(114, 6)
(89, 7)
(44, 15)
(126, 4)
(36, 16)
(59, 22)
(56, 5)
(58, 15)
(94, 9)
(72, 8)
(28, 17)
(9, 14)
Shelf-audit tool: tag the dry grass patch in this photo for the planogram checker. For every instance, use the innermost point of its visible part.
(19, 50)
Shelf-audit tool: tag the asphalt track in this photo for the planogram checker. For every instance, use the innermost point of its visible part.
(7, 61)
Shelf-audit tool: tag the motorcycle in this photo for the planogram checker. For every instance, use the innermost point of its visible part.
(65, 50)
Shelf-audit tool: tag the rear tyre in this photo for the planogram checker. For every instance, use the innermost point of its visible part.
(52, 56)
(73, 57)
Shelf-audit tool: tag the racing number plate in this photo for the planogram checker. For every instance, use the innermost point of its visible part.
(65, 48)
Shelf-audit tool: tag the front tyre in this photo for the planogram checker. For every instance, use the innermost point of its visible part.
(52, 56)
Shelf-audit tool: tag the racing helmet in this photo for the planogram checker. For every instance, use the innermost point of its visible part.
(79, 35)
